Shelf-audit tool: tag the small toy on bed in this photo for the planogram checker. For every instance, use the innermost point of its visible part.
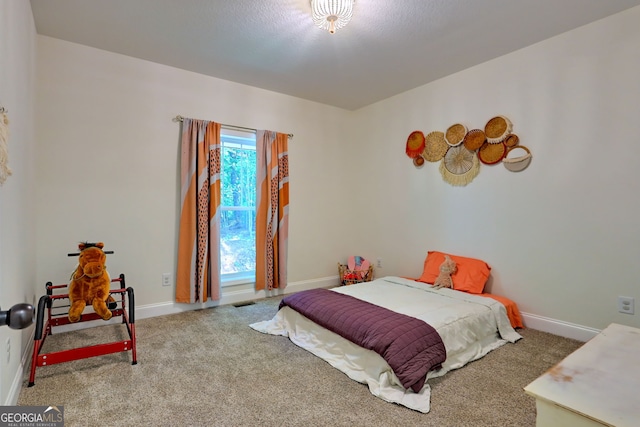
(447, 268)
(90, 283)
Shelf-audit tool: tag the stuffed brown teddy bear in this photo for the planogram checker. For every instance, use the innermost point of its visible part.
(447, 268)
(90, 283)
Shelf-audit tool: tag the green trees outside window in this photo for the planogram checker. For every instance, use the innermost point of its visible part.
(238, 209)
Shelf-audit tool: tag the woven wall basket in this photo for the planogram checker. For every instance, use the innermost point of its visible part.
(511, 140)
(517, 164)
(415, 144)
(490, 154)
(497, 129)
(435, 147)
(455, 134)
(474, 139)
(459, 166)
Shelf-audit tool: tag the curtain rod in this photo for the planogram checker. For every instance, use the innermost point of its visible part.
(181, 119)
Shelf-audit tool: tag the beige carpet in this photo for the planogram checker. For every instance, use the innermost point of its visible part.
(209, 368)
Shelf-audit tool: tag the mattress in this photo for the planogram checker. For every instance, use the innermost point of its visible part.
(470, 327)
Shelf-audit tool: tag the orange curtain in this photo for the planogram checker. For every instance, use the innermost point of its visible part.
(198, 270)
(272, 215)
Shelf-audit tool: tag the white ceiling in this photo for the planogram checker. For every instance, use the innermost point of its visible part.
(389, 47)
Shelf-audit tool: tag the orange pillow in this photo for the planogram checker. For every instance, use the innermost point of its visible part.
(471, 274)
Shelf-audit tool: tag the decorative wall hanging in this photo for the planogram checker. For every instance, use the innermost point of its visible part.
(415, 144)
(490, 154)
(460, 151)
(455, 134)
(436, 147)
(497, 129)
(459, 166)
(474, 139)
(511, 140)
(517, 164)
(5, 170)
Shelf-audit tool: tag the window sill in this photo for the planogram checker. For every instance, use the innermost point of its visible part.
(235, 281)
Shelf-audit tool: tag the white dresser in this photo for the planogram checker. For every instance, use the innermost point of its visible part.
(596, 385)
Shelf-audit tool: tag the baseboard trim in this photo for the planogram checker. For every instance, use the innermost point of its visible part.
(558, 327)
(230, 296)
(16, 385)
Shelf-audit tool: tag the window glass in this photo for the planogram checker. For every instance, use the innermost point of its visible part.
(238, 207)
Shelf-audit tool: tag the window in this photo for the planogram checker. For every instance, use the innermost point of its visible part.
(238, 207)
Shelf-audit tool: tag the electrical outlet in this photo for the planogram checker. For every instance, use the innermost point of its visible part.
(166, 279)
(379, 263)
(626, 305)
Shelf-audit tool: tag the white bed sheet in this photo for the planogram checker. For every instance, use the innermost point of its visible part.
(470, 326)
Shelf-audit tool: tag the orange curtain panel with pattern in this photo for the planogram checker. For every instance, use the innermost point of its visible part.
(198, 270)
(272, 215)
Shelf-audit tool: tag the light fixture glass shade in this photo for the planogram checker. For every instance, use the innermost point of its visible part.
(331, 15)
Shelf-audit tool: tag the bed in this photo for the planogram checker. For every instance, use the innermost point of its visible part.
(470, 326)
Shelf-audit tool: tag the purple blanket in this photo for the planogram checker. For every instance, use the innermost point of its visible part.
(410, 346)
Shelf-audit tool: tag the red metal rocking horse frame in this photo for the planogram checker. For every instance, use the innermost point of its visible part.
(44, 327)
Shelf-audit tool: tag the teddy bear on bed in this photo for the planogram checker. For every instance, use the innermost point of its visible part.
(90, 283)
(447, 268)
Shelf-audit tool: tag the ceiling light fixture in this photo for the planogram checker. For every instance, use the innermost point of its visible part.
(331, 15)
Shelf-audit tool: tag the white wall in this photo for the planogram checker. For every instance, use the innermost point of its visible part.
(563, 236)
(108, 156)
(17, 205)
